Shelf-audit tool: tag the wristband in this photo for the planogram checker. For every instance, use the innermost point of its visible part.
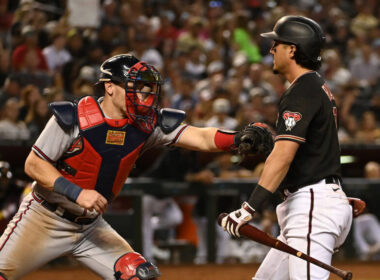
(224, 140)
(67, 188)
(258, 196)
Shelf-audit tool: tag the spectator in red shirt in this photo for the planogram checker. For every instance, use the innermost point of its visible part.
(30, 44)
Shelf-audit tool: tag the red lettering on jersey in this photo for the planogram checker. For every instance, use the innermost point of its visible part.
(328, 92)
(335, 113)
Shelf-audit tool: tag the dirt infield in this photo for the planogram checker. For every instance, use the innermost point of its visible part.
(362, 271)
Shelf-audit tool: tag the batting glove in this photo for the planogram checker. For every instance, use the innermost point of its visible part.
(233, 221)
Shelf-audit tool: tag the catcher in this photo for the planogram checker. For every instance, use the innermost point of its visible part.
(81, 161)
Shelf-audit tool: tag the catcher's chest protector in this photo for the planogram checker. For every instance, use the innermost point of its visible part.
(104, 154)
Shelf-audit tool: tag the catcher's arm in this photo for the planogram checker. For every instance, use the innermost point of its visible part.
(198, 139)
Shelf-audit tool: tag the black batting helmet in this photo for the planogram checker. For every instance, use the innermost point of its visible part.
(301, 31)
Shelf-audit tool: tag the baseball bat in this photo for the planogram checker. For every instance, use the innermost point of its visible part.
(261, 237)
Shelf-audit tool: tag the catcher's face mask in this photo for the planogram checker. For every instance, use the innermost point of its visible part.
(142, 94)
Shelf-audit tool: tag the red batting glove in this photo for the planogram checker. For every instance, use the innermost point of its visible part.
(233, 221)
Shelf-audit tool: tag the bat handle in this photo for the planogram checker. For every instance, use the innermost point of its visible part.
(220, 218)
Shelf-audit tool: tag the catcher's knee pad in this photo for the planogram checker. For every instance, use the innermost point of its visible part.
(133, 266)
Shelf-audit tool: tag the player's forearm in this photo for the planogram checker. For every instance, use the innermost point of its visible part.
(202, 139)
(42, 171)
(277, 164)
(275, 170)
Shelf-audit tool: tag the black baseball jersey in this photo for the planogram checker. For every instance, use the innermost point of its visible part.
(308, 116)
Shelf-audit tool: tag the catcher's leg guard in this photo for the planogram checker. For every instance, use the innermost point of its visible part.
(133, 266)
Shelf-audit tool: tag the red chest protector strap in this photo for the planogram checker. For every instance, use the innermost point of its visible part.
(89, 113)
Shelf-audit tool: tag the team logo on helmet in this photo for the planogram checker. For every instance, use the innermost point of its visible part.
(291, 118)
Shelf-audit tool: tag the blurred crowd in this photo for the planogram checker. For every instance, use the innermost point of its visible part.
(215, 65)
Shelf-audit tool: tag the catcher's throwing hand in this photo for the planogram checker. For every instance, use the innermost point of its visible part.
(233, 221)
(254, 139)
(92, 200)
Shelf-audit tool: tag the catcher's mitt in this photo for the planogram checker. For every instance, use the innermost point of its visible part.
(254, 139)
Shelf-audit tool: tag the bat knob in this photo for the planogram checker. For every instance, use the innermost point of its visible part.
(220, 218)
(348, 276)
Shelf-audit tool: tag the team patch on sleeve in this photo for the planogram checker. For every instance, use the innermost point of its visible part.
(291, 119)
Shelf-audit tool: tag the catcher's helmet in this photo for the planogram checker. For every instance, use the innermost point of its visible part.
(136, 77)
(301, 31)
(133, 266)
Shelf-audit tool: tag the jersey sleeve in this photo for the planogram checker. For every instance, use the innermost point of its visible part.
(54, 141)
(296, 112)
(158, 137)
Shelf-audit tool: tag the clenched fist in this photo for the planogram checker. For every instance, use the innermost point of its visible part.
(92, 200)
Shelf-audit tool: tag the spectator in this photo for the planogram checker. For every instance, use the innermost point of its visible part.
(185, 98)
(37, 118)
(196, 65)
(11, 129)
(243, 39)
(192, 36)
(221, 108)
(255, 79)
(369, 131)
(83, 85)
(372, 170)
(29, 96)
(167, 34)
(150, 55)
(335, 73)
(5, 65)
(30, 44)
(11, 89)
(55, 54)
(31, 74)
(364, 68)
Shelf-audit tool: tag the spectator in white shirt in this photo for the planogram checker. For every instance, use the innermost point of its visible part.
(10, 127)
(221, 107)
(55, 54)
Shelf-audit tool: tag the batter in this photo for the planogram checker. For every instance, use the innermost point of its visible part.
(304, 165)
